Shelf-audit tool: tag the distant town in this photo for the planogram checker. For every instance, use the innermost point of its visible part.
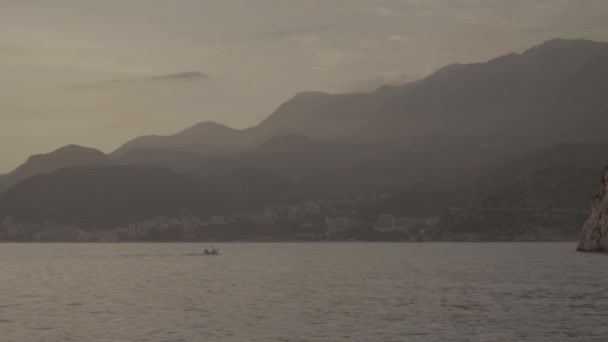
(337, 220)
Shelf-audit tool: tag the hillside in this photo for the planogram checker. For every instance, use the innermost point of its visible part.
(504, 149)
(549, 94)
(111, 195)
(205, 137)
(101, 195)
(70, 155)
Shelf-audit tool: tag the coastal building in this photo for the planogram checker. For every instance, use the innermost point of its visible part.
(385, 223)
(388, 223)
(338, 224)
(264, 217)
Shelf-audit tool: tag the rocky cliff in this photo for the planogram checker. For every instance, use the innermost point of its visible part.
(595, 230)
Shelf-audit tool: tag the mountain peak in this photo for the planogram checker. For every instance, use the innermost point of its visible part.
(69, 152)
(206, 137)
(310, 94)
(206, 128)
(560, 45)
(569, 42)
(69, 155)
(209, 124)
(72, 148)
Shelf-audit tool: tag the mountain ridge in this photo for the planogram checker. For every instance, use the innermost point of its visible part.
(510, 96)
(69, 155)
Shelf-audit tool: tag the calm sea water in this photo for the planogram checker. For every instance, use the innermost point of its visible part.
(303, 292)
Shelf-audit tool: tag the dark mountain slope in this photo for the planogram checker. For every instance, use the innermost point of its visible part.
(510, 98)
(42, 163)
(105, 195)
(179, 161)
(549, 94)
(559, 186)
(206, 137)
(500, 182)
(249, 188)
(503, 170)
(113, 195)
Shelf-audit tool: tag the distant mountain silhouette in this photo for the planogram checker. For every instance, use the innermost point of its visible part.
(551, 93)
(180, 161)
(497, 182)
(547, 204)
(42, 163)
(502, 170)
(248, 188)
(499, 134)
(96, 195)
(559, 186)
(205, 137)
(517, 98)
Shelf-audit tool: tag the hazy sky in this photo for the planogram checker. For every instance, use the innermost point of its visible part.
(99, 72)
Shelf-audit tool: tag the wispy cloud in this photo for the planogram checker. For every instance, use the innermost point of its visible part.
(171, 78)
(185, 76)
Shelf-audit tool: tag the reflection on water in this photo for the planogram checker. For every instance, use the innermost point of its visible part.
(302, 292)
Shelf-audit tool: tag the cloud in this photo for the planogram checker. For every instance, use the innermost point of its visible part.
(185, 76)
(172, 78)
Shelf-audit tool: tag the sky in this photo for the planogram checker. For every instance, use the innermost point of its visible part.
(100, 72)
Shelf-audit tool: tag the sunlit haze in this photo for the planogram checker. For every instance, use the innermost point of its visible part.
(98, 73)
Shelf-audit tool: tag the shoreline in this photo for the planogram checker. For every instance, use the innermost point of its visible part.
(277, 241)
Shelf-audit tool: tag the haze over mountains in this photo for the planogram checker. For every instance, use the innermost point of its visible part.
(469, 135)
(551, 93)
(42, 163)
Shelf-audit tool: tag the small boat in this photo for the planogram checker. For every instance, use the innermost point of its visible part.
(212, 251)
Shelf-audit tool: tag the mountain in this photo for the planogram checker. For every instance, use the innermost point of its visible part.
(522, 180)
(504, 149)
(205, 137)
(98, 196)
(595, 231)
(179, 161)
(249, 188)
(333, 167)
(321, 115)
(498, 172)
(548, 94)
(295, 156)
(517, 98)
(548, 204)
(559, 186)
(70, 155)
(103, 195)
(537, 195)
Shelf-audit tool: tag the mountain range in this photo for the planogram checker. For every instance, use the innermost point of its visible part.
(469, 135)
(551, 93)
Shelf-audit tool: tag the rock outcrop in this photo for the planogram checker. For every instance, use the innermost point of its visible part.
(595, 231)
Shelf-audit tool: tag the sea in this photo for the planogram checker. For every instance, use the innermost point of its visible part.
(302, 292)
